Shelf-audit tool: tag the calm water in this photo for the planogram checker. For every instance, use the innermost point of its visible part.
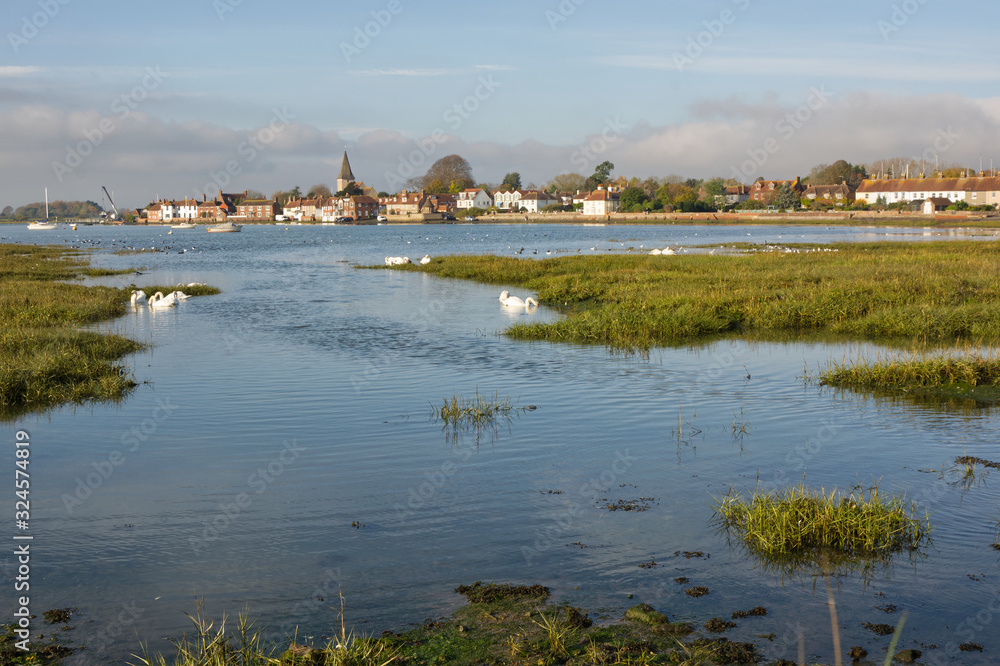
(273, 416)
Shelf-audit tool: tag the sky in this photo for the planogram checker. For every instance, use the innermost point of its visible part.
(177, 99)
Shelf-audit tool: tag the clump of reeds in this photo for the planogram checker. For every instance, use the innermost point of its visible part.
(915, 371)
(784, 522)
(215, 647)
(480, 411)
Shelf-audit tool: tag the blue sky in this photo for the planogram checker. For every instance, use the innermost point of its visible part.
(173, 98)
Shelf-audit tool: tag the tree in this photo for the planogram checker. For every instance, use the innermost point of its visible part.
(351, 190)
(254, 194)
(319, 192)
(7, 211)
(715, 187)
(567, 182)
(512, 181)
(632, 197)
(449, 169)
(837, 173)
(603, 172)
(785, 198)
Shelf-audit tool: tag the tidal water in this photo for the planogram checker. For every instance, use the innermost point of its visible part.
(281, 449)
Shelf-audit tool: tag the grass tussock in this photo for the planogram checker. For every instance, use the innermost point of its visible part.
(882, 291)
(476, 410)
(862, 522)
(45, 360)
(973, 376)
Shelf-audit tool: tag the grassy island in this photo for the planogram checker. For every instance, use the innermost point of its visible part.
(45, 359)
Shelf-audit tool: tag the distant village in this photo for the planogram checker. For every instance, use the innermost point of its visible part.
(359, 202)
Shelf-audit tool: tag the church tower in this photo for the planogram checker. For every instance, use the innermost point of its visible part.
(345, 176)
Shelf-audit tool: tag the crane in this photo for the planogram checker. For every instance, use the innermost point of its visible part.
(115, 215)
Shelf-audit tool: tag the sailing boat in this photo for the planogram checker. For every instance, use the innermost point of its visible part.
(44, 224)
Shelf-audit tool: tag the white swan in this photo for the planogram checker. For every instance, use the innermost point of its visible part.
(138, 297)
(192, 284)
(396, 261)
(654, 251)
(158, 300)
(514, 301)
(426, 259)
(180, 295)
(667, 250)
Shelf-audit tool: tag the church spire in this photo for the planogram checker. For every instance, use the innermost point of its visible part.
(346, 176)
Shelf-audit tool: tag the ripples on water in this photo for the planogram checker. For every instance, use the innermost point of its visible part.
(300, 401)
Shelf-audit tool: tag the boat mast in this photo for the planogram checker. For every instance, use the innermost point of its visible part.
(46, 204)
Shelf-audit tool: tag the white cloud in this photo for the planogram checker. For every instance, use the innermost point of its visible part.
(143, 156)
(11, 71)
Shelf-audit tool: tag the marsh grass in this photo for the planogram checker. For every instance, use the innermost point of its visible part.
(897, 292)
(862, 523)
(478, 413)
(970, 376)
(45, 359)
(210, 646)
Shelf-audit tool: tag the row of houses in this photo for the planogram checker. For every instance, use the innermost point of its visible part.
(237, 207)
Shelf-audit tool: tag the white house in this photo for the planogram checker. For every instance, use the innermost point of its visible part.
(187, 209)
(975, 190)
(474, 198)
(534, 202)
(601, 202)
(508, 200)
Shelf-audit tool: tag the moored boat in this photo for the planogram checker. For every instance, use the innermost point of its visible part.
(223, 228)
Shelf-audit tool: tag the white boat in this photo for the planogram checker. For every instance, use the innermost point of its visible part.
(184, 225)
(223, 228)
(44, 224)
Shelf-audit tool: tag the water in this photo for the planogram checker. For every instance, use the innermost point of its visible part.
(273, 416)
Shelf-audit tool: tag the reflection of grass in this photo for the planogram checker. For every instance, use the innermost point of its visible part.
(796, 522)
(970, 376)
(880, 291)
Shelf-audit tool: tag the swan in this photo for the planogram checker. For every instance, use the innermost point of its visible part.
(514, 301)
(667, 250)
(654, 251)
(138, 297)
(396, 261)
(426, 259)
(158, 300)
(192, 284)
(179, 295)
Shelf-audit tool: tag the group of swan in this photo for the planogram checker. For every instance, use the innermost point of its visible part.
(514, 301)
(396, 261)
(158, 300)
(665, 250)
